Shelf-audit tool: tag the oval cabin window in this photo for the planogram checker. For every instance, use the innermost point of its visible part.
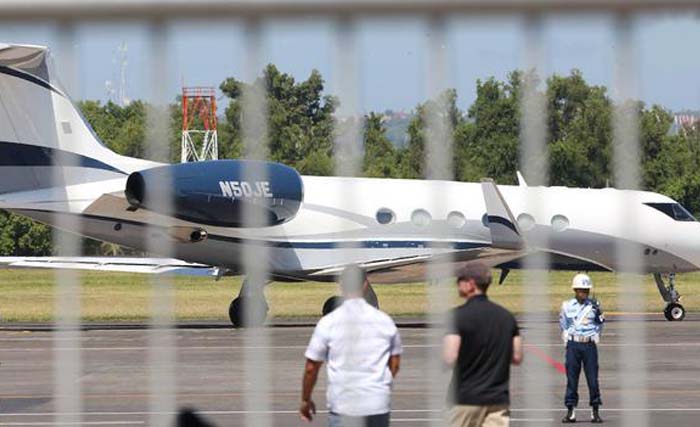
(456, 219)
(421, 217)
(385, 216)
(560, 222)
(526, 221)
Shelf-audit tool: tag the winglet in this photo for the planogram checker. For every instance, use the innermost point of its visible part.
(505, 233)
(521, 179)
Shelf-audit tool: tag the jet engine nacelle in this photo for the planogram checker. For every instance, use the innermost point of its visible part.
(223, 193)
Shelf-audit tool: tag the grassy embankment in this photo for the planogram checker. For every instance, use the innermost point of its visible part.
(28, 295)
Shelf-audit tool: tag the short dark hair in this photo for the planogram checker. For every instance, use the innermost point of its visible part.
(477, 271)
(353, 279)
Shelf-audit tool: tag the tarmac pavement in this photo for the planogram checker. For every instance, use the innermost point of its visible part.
(213, 378)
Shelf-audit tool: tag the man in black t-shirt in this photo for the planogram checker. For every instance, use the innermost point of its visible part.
(481, 343)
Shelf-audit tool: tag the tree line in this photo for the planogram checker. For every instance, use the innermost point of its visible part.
(303, 124)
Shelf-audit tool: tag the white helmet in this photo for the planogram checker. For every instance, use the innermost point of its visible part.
(581, 281)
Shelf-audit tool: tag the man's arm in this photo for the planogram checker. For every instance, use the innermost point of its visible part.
(308, 408)
(450, 349)
(563, 321)
(517, 350)
(394, 364)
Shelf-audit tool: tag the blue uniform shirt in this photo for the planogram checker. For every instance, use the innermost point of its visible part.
(577, 319)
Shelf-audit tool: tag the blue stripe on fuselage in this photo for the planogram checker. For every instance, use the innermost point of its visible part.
(363, 244)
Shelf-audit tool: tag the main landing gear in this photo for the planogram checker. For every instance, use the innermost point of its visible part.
(250, 308)
(673, 311)
(334, 302)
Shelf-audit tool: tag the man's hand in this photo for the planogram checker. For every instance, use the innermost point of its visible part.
(307, 410)
(597, 311)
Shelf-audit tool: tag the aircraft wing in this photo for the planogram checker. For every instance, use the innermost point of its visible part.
(169, 266)
(424, 267)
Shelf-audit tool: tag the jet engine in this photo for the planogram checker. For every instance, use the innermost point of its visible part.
(223, 193)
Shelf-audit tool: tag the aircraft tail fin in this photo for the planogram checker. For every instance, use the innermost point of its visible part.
(505, 233)
(44, 140)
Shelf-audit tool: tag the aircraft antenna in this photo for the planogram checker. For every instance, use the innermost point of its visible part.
(199, 136)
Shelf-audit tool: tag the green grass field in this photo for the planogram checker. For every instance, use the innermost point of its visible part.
(28, 296)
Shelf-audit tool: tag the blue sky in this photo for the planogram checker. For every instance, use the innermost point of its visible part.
(392, 55)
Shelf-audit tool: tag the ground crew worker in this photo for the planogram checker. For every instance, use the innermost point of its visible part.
(581, 322)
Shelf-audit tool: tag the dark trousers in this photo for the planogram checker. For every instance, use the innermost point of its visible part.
(576, 354)
(379, 420)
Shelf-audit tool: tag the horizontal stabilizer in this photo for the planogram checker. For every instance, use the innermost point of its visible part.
(505, 233)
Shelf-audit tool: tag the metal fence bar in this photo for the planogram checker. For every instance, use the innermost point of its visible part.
(162, 346)
(348, 148)
(534, 162)
(257, 402)
(438, 166)
(438, 163)
(67, 287)
(626, 167)
(112, 10)
(348, 153)
(533, 129)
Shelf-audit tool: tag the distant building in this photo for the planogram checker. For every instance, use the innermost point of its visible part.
(684, 119)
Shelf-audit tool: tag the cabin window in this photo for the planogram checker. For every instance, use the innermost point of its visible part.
(421, 217)
(456, 219)
(385, 216)
(560, 222)
(526, 221)
(673, 210)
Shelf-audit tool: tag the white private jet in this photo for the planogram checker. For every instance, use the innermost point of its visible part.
(311, 227)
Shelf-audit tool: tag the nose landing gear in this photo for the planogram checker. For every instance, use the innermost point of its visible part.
(674, 311)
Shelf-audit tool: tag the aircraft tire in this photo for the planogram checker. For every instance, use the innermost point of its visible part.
(236, 313)
(371, 297)
(331, 304)
(674, 312)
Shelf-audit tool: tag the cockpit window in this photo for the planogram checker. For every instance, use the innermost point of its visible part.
(674, 210)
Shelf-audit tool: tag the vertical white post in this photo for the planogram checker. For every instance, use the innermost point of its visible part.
(255, 257)
(348, 142)
(348, 148)
(438, 166)
(626, 175)
(67, 288)
(162, 347)
(534, 165)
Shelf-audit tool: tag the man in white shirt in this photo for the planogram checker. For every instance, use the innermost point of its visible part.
(363, 349)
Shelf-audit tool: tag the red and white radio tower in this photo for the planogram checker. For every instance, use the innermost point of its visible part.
(199, 138)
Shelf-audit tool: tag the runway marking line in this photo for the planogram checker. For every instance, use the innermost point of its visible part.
(205, 347)
(290, 412)
(530, 348)
(303, 347)
(82, 423)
